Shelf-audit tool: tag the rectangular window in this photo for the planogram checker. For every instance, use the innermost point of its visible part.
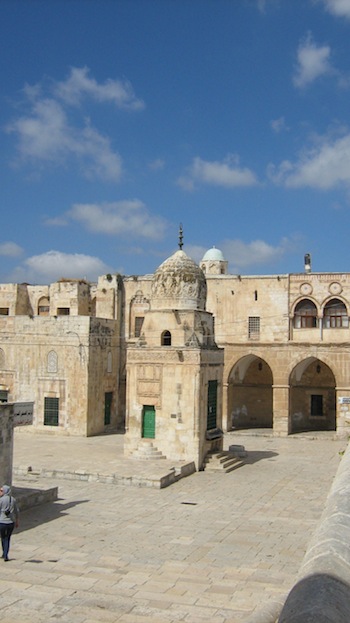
(316, 404)
(138, 325)
(51, 410)
(336, 322)
(4, 395)
(43, 310)
(212, 404)
(108, 407)
(254, 327)
(4, 311)
(63, 311)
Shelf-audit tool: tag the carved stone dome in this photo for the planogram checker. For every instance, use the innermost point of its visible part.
(179, 283)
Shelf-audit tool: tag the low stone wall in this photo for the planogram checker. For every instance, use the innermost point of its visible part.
(6, 443)
(322, 591)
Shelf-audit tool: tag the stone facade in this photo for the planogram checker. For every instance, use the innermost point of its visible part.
(282, 343)
(68, 363)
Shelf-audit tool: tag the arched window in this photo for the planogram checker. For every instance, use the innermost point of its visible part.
(305, 315)
(44, 306)
(52, 361)
(335, 315)
(166, 338)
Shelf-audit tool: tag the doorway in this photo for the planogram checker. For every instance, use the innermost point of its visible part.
(148, 422)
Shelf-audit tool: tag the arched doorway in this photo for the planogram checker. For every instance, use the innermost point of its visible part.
(312, 397)
(250, 394)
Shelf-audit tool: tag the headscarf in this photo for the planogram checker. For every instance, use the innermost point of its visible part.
(6, 489)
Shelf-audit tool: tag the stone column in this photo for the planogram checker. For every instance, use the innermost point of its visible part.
(280, 410)
(225, 415)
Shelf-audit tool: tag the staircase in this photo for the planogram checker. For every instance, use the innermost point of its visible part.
(224, 461)
(147, 451)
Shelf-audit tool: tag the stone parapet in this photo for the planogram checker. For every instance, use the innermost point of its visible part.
(322, 591)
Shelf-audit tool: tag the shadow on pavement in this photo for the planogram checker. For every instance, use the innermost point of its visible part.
(43, 513)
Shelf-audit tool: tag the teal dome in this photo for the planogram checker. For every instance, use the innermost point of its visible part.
(213, 254)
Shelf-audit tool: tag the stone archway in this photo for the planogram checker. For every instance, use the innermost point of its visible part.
(312, 397)
(250, 397)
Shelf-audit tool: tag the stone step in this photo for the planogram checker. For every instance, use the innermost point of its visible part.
(147, 451)
(222, 461)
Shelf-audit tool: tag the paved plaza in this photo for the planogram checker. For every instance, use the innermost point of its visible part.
(211, 547)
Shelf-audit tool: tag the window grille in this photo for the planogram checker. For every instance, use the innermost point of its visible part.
(212, 404)
(51, 411)
(254, 327)
(138, 325)
(166, 338)
(4, 395)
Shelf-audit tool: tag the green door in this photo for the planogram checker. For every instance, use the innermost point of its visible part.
(148, 422)
(108, 407)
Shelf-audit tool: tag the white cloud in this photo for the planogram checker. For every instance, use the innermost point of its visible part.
(121, 218)
(323, 167)
(79, 84)
(45, 135)
(340, 8)
(57, 221)
(195, 252)
(50, 266)
(10, 249)
(227, 174)
(157, 165)
(241, 255)
(313, 62)
(279, 125)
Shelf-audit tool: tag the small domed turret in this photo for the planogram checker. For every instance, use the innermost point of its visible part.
(179, 283)
(214, 263)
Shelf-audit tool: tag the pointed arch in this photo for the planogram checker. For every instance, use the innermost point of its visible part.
(250, 398)
(312, 396)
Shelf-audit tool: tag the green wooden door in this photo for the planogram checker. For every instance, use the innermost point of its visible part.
(108, 407)
(149, 422)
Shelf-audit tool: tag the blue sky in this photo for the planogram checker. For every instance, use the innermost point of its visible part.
(119, 119)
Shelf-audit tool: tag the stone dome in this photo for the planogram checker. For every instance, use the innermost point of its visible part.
(179, 283)
(213, 254)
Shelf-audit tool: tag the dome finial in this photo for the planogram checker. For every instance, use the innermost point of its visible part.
(180, 237)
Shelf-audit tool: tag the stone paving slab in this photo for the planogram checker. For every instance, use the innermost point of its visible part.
(212, 547)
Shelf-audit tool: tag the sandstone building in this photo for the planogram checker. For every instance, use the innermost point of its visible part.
(181, 354)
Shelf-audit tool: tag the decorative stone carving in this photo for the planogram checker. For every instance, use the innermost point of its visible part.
(335, 288)
(306, 288)
(179, 283)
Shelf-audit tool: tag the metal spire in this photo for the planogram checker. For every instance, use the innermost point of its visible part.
(181, 244)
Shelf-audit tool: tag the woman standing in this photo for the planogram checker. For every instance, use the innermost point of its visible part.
(8, 519)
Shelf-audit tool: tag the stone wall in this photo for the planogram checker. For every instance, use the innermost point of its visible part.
(6, 443)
